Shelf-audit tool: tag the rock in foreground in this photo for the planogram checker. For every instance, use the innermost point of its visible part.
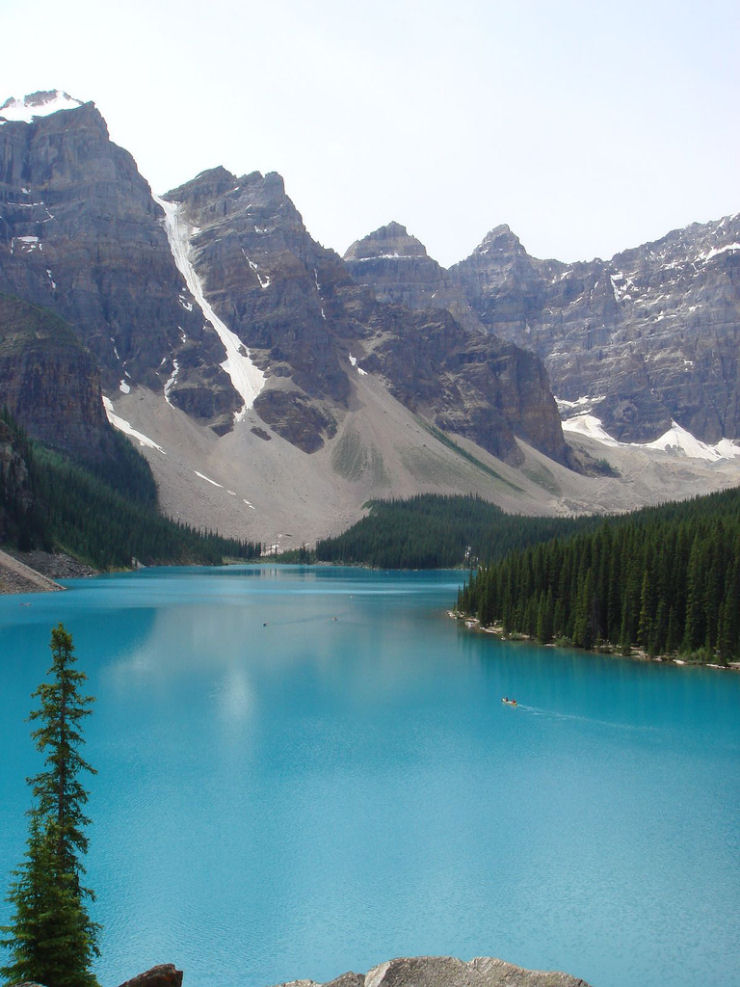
(446, 971)
(164, 975)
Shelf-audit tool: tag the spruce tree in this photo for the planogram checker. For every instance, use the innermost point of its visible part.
(52, 939)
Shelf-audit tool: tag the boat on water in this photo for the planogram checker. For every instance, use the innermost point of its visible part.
(509, 702)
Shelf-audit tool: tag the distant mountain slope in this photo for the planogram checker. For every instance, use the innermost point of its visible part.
(651, 336)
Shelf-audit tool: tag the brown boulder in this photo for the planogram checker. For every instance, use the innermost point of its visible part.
(164, 975)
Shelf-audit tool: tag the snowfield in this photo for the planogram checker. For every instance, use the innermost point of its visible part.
(247, 378)
(676, 440)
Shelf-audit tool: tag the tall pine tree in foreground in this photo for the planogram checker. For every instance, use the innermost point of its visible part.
(52, 939)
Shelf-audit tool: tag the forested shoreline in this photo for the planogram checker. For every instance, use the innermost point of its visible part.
(663, 580)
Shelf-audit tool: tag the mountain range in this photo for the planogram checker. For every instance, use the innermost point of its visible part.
(274, 386)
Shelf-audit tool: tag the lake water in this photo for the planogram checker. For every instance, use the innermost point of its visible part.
(305, 771)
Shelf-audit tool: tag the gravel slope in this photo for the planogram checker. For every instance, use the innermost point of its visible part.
(249, 486)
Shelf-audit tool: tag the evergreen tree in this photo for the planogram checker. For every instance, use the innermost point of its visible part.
(52, 938)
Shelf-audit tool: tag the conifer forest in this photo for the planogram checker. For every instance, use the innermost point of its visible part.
(665, 580)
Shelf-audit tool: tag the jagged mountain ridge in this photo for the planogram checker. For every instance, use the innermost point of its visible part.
(654, 332)
(305, 320)
(309, 326)
(181, 299)
(651, 336)
(83, 236)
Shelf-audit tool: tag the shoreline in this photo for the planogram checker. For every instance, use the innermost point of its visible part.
(636, 654)
(37, 571)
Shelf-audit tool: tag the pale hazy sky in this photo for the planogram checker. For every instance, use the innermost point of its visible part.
(587, 127)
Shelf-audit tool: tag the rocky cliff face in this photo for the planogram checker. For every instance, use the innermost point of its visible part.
(468, 383)
(398, 269)
(650, 336)
(309, 324)
(276, 289)
(446, 971)
(81, 235)
(221, 282)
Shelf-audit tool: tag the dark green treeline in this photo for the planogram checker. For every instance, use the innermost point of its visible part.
(665, 579)
(432, 531)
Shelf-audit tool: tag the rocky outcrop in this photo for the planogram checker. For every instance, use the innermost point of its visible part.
(417, 971)
(446, 971)
(469, 384)
(81, 235)
(17, 577)
(651, 336)
(164, 975)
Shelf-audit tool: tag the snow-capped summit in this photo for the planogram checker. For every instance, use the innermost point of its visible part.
(39, 104)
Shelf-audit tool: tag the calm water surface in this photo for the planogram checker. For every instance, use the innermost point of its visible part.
(304, 771)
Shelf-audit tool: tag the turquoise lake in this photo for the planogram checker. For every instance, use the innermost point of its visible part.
(303, 771)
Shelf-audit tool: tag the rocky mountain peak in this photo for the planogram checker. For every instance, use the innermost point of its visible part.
(39, 104)
(388, 242)
(650, 336)
(501, 241)
(260, 200)
(80, 235)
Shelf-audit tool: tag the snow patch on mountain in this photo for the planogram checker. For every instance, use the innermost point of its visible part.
(590, 426)
(209, 480)
(676, 440)
(264, 280)
(353, 361)
(40, 104)
(715, 251)
(247, 379)
(127, 428)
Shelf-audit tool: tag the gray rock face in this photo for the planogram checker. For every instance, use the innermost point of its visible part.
(398, 269)
(654, 333)
(446, 971)
(304, 319)
(276, 289)
(81, 235)
(469, 384)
